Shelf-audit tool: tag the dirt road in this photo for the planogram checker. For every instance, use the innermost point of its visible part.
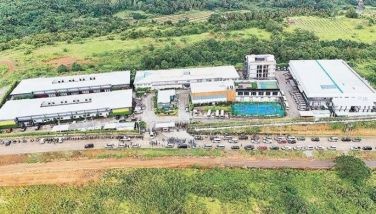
(82, 171)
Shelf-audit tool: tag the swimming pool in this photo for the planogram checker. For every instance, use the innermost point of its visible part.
(263, 109)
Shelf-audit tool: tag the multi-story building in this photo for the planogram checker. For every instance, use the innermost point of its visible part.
(257, 91)
(260, 66)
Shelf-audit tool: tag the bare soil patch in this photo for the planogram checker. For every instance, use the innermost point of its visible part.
(9, 63)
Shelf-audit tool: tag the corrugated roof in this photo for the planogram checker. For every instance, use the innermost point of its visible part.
(200, 87)
(68, 82)
(183, 74)
(32, 107)
(329, 78)
(164, 96)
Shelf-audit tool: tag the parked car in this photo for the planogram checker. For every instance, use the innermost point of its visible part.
(198, 137)
(333, 139)
(183, 146)
(121, 145)
(300, 138)
(227, 137)
(232, 141)
(136, 145)
(320, 148)
(286, 148)
(7, 142)
(274, 148)
(220, 146)
(356, 139)
(262, 148)
(268, 141)
(249, 147)
(235, 147)
(282, 141)
(367, 148)
(208, 146)
(89, 146)
(297, 148)
(308, 148)
(170, 145)
(346, 139)
(332, 148)
(243, 137)
(315, 139)
(109, 146)
(291, 141)
(356, 148)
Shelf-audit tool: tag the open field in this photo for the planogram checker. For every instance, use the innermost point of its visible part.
(192, 16)
(102, 53)
(196, 191)
(335, 28)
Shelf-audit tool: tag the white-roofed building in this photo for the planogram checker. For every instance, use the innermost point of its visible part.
(35, 111)
(165, 97)
(212, 92)
(71, 85)
(261, 66)
(180, 78)
(334, 85)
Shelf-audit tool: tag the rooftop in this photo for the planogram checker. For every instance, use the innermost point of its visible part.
(54, 105)
(68, 82)
(260, 58)
(257, 84)
(164, 96)
(329, 78)
(200, 87)
(183, 74)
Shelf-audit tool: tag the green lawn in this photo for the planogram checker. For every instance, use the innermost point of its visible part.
(335, 28)
(197, 191)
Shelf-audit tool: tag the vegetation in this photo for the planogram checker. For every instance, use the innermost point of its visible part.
(352, 169)
(197, 191)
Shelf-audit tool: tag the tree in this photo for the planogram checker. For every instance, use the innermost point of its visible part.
(76, 67)
(62, 69)
(351, 13)
(352, 169)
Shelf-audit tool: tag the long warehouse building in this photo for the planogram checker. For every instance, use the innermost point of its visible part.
(71, 85)
(180, 78)
(332, 85)
(36, 111)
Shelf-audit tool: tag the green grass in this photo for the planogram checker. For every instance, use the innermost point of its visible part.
(103, 53)
(192, 16)
(197, 191)
(335, 28)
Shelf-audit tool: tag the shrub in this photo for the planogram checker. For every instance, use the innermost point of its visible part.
(62, 69)
(76, 67)
(352, 169)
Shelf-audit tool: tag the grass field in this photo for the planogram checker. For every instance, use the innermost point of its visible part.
(192, 16)
(197, 191)
(103, 53)
(335, 28)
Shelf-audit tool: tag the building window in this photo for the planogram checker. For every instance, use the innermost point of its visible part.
(275, 93)
(261, 93)
(268, 93)
(240, 93)
(254, 93)
(246, 93)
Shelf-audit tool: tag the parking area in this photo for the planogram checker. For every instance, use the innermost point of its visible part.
(151, 118)
(294, 98)
(181, 139)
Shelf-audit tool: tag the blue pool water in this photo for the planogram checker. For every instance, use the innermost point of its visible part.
(258, 109)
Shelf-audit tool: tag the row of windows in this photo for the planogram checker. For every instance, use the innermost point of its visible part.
(73, 80)
(260, 93)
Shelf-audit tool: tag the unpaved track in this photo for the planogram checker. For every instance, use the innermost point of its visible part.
(82, 171)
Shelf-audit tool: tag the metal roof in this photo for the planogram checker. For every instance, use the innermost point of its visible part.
(185, 74)
(202, 87)
(69, 82)
(164, 96)
(57, 105)
(329, 78)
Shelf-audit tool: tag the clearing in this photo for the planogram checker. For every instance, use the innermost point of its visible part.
(335, 28)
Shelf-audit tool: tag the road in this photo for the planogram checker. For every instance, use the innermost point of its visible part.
(82, 171)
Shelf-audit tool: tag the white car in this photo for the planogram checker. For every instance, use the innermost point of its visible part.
(309, 148)
(320, 148)
(220, 146)
(121, 145)
(332, 148)
(333, 139)
(286, 148)
(356, 148)
(208, 146)
(297, 148)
